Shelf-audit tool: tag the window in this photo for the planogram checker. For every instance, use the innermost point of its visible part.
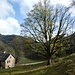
(8, 61)
(10, 56)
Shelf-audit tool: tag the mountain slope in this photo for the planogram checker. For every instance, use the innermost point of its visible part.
(17, 45)
(63, 66)
(7, 41)
(5, 47)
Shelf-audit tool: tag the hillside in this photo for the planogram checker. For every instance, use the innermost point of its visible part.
(64, 66)
(7, 41)
(5, 47)
(61, 66)
(71, 42)
(17, 45)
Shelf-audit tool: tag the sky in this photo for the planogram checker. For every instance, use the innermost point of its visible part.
(13, 13)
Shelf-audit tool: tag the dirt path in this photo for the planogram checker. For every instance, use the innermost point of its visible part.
(39, 68)
(32, 63)
(29, 70)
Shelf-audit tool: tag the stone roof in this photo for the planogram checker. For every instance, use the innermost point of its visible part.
(4, 56)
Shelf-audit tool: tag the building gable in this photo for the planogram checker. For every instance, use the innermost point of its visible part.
(10, 61)
(7, 60)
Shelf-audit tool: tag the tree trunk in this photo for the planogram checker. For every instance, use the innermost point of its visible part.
(49, 61)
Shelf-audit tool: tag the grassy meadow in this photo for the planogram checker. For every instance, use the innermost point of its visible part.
(23, 60)
(61, 66)
(20, 69)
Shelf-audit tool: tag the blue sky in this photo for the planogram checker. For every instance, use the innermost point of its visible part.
(12, 13)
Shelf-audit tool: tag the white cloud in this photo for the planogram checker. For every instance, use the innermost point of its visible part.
(6, 9)
(9, 26)
(63, 2)
(27, 5)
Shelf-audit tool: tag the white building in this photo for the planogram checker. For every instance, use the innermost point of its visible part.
(7, 60)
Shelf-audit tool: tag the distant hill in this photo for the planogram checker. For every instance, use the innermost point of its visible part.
(6, 43)
(71, 41)
(17, 45)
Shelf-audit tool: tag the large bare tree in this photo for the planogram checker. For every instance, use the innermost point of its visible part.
(47, 24)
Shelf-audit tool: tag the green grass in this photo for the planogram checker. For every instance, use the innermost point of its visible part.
(20, 69)
(65, 66)
(61, 66)
(26, 60)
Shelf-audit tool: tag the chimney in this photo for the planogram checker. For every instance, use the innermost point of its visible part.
(4, 52)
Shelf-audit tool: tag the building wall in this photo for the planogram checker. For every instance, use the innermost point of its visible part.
(10, 62)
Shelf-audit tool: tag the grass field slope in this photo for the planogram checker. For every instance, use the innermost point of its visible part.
(61, 66)
(64, 66)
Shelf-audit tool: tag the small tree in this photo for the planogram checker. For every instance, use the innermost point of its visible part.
(47, 24)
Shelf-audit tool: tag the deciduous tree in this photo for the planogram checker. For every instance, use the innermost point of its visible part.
(47, 24)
